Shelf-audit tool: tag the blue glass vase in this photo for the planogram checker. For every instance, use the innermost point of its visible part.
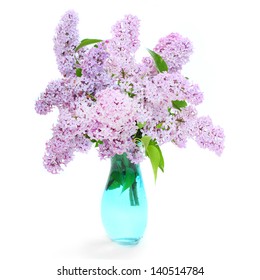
(124, 203)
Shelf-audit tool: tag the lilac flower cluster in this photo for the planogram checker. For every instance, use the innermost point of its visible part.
(115, 100)
(65, 41)
(175, 50)
(112, 121)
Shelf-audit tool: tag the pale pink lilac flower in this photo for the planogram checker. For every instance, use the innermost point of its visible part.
(209, 136)
(148, 62)
(112, 120)
(122, 46)
(175, 50)
(135, 153)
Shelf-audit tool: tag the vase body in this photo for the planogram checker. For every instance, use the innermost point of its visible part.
(124, 203)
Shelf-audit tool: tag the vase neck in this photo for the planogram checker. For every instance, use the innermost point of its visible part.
(123, 162)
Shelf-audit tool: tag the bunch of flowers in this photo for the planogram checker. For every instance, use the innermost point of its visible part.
(106, 98)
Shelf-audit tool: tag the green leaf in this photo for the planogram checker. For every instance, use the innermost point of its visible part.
(98, 142)
(161, 163)
(129, 178)
(117, 176)
(159, 125)
(153, 151)
(178, 104)
(146, 140)
(118, 164)
(154, 155)
(141, 125)
(131, 94)
(126, 161)
(78, 72)
(114, 185)
(160, 64)
(86, 42)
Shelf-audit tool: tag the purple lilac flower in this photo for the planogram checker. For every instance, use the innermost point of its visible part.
(122, 46)
(50, 97)
(208, 136)
(150, 66)
(155, 98)
(63, 93)
(115, 93)
(175, 50)
(125, 35)
(65, 42)
(94, 74)
(67, 138)
(58, 153)
(184, 121)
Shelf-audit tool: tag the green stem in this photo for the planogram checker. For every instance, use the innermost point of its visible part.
(134, 190)
(131, 196)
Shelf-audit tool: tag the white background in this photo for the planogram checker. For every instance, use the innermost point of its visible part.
(204, 211)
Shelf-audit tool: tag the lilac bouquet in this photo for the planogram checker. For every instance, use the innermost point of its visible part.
(106, 98)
